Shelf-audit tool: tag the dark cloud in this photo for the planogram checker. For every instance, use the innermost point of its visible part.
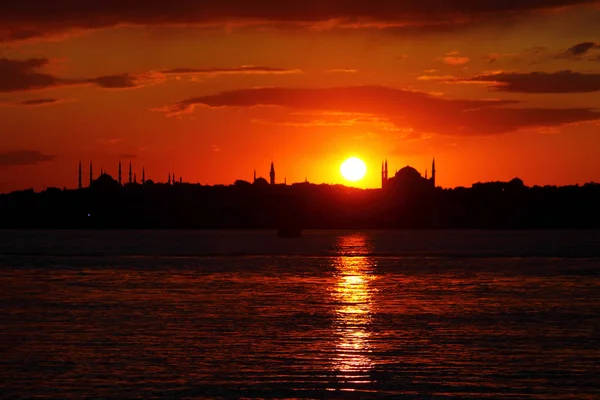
(19, 75)
(23, 75)
(26, 19)
(542, 82)
(246, 69)
(365, 99)
(32, 102)
(122, 81)
(579, 50)
(131, 81)
(23, 157)
(418, 111)
(38, 102)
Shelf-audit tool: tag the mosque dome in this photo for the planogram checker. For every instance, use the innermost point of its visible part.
(261, 182)
(516, 182)
(105, 182)
(408, 174)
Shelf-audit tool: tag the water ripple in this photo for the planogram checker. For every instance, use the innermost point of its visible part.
(349, 325)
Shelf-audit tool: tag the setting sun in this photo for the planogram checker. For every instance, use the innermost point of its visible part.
(353, 169)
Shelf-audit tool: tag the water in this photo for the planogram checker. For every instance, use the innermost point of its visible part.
(183, 314)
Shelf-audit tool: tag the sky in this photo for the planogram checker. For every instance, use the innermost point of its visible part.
(212, 90)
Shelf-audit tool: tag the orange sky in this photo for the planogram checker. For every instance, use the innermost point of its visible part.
(213, 91)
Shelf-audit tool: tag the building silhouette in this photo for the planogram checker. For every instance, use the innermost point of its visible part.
(261, 181)
(407, 200)
(132, 178)
(384, 174)
(407, 177)
(272, 173)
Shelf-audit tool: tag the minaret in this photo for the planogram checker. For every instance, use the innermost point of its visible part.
(254, 176)
(173, 180)
(143, 176)
(169, 181)
(79, 184)
(433, 173)
(386, 171)
(120, 181)
(272, 173)
(130, 172)
(384, 174)
(91, 174)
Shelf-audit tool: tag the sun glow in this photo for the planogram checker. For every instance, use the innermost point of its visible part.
(353, 169)
(354, 296)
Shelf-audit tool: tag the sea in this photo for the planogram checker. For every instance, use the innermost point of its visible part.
(332, 315)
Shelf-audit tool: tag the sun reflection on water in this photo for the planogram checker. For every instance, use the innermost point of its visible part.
(352, 296)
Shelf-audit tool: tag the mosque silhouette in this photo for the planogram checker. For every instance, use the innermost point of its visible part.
(406, 177)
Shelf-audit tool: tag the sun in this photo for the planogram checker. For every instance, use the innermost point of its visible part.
(353, 169)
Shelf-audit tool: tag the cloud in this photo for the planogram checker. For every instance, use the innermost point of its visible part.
(134, 81)
(29, 19)
(127, 80)
(582, 48)
(579, 50)
(341, 70)
(405, 109)
(24, 75)
(542, 82)
(328, 119)
(115, 81)
(23, 157)
(39, 102)
(20, 75)
(438, 78)
(245, 69)
(33, 102)
(454, 58)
